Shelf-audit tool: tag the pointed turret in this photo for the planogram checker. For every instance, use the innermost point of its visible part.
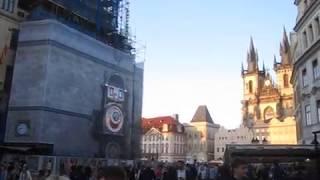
(252, 58)
(285, 49)
(275, 63)
(242, 69)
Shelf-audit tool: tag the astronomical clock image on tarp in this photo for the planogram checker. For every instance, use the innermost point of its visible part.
(114, 106)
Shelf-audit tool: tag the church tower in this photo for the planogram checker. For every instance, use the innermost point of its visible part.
(267, 106)
(283, 70)
(252, 83)
(252, 75)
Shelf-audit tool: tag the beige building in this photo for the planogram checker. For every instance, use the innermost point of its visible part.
(163, 139)
(200, 135)
(10, 17)
(241, 135)
(306, 74)
(268, 104)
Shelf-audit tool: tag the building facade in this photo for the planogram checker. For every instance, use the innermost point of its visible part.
(268, 105)
(163, 139)
(241, 135)
(69, 79)
(306, 74)
(201, 136)
(10, 17)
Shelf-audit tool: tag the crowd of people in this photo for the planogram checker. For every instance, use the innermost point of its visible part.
(238, 170)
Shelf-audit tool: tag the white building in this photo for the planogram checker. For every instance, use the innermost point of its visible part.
(163, 139)
(306, 73)
(241, 135)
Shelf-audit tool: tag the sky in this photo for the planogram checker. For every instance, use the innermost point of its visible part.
(194, 50)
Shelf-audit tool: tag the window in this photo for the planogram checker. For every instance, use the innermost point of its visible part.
(318, 110)
(318, 25)
(167, 147)
(311, 33)
(11, 5)
(218, 149)
(308, 115)
(304, 38)
(222, 149)
(144, 148)
(304, 78)
(315, 67)
(250, 87)
(285, 81)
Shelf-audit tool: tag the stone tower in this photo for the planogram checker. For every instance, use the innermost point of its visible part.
(252, 83)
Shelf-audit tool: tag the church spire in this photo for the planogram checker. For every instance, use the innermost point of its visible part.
(242, 69)
(285, 49)
(252, 58)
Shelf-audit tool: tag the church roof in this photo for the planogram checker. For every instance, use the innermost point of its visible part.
(202, 115)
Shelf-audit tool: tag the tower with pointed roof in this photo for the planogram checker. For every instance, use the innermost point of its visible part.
(283, 68)
(268, 104)
(200, 136)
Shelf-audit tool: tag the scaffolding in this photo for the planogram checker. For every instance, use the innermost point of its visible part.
(106, 20)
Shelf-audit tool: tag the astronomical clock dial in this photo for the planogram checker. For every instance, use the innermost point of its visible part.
(22, 129)
(114, 119)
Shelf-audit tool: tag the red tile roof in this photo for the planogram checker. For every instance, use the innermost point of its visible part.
(158, 122)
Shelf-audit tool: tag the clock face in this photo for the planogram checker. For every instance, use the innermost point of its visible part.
(267, 83)
(114, 119)
(22, 129)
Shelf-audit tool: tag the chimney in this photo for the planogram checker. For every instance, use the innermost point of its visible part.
(175, 117)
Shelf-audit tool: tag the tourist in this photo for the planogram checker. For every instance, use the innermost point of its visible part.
(181, 171)
(239, 169)
(3, 171)
(276, 172)
(224, 173)
(25, 173)
(203, 172)
(213, 171)
(171, 174)
(112, 173)
(147, 174)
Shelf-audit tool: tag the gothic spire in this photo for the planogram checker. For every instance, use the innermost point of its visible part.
(285, 49)
(252, 58)
(242, 69)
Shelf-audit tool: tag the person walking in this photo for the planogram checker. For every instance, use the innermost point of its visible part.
(239, 169)
(25, 173)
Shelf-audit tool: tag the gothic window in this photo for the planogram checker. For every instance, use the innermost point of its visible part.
(285, 80)
(304, 78)
(315, 68)
(308, 115)
(250, 87)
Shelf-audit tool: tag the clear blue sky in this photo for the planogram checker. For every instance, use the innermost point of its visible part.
(195, 49)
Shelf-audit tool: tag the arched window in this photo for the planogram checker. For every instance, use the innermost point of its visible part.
(285, 80)
(250, 87)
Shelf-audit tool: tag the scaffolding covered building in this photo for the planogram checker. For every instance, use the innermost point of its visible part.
(105, 20)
